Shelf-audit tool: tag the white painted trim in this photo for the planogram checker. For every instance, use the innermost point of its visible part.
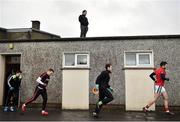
(77, 54)
(138, 52)
(2, 78)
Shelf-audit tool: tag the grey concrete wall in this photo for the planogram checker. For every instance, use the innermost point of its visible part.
(39, 56)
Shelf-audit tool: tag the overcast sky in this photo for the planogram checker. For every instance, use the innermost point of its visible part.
(106, 17)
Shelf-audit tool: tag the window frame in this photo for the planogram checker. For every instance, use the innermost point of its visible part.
(77, 65)
(138, 53)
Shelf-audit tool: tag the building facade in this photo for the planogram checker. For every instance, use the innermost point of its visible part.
(77, 62)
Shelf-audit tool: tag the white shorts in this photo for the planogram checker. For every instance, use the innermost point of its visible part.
(159, 89)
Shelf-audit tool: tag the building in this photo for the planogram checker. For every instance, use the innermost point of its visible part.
(78, 61)
(26, 33)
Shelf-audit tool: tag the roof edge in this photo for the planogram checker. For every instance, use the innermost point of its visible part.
(96, 38)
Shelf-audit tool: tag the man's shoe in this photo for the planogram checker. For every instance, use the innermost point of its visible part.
(169, 113)
(6, 108)
(23, 108)
(44, 113)
(145, 109)
(12, 109)
(95, 114)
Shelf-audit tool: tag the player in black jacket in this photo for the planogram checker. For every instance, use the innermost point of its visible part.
(43, 81)
(14, 83)
(105, 91)
(84, 23)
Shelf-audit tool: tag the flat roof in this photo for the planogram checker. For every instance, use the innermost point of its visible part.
(146, 37)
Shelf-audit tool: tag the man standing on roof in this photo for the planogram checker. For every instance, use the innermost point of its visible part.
(84, 24)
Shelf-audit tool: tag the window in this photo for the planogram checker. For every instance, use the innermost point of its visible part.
(138, 59)
(81, 59)
(130, 59)
(144, 59)
(76, 60)
(70, 60)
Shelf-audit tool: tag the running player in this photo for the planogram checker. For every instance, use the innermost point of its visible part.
(159, 76)
(105, 91)
(40, 90)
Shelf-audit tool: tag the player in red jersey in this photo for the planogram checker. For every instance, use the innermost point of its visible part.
(159, 76)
